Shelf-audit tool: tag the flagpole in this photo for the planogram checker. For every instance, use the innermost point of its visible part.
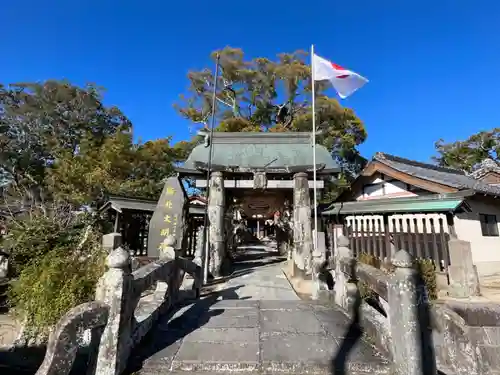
(315, 239)
(206, 252)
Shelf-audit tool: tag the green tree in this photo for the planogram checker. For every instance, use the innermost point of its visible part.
(466, 154)
(62, 148)
(59, 141)
(40, 120)
(261, 94)
(118, 166)
(150, 164)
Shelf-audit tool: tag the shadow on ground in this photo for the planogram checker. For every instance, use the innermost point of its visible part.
(23, 361)
(4, 308)
(27, 360)
(171, 329)
(248, 258)
(17, 360)
(246, 265)
(354, 333)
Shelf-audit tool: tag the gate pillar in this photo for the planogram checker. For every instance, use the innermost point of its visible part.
(302, 228)
(216, 204)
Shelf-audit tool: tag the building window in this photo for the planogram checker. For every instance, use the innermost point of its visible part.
(489, 225)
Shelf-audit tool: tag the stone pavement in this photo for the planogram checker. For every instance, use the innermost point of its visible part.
(257, 336)
(258, 275)
(9, 329)
(254, 322)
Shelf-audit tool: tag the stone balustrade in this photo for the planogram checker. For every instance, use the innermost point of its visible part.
(122, 313)
(419, 336)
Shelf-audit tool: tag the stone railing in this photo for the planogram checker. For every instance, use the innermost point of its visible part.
(121, 314)
(419, 336)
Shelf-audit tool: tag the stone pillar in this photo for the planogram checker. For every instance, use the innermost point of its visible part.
(111, 241)
(216, 203)
(302, 232)
(192, 240)
(337, 231)
(464, 281)
(318, 266)
(412, 347)
(167, 252)
(4, 265)
(386, 263)
(200, 243)
(342, 290)
(114, 289)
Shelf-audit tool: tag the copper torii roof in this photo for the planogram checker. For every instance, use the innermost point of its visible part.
(273, 152)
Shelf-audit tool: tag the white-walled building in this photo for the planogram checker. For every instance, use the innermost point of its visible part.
(422, 205)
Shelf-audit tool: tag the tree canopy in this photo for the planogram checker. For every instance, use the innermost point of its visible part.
(60, 141)
(62, 149)
(468, 153)
(261, 94)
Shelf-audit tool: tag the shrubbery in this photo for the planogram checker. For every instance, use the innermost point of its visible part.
(370, 260)
(364, 289)
(56, 261)
(427, 270)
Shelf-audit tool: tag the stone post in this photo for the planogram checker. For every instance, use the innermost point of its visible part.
(344, 289)
(4, 265)
(166, 252)
(115, 289)
(200, 242)
(111, 241)
(318, 263)
(216, 203)
(464, 280)
(386, 263)
(189, 239)
(337, 231)
(411, 337)
(302, 232)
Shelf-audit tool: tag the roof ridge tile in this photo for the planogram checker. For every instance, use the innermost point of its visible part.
(382, 156)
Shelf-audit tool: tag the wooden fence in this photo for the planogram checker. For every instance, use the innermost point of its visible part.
(423, 236)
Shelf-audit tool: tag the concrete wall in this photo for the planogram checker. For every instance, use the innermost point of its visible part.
(485, 249)
(386, 187)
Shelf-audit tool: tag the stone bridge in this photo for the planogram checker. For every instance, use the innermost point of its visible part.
(254, 322)
(156, 321)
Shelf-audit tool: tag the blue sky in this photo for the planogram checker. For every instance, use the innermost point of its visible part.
(432, 65)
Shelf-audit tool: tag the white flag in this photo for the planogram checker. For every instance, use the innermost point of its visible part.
(344, 81)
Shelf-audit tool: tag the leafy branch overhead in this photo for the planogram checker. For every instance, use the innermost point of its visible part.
(467, 154)
(261, 94)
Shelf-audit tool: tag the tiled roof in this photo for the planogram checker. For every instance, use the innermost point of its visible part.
(200, 198)
(449, 202)
(486, 166)
(256, 150)
(445, 176)
(128, 203)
